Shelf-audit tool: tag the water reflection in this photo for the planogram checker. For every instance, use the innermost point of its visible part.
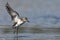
(31, 33)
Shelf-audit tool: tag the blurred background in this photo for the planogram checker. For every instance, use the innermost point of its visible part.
(44, 17)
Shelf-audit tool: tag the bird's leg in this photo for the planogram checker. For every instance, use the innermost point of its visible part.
(14, 30)
(17, 32)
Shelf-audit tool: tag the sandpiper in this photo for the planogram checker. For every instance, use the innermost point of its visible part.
(17, 21)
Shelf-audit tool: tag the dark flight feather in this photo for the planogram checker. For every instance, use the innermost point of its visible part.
(11, 12)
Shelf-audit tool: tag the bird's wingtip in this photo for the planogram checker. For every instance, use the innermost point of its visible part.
(7, 4)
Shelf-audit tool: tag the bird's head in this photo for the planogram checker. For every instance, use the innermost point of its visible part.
(25, 19)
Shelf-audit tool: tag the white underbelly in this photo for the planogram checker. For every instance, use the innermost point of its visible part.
(18, 23)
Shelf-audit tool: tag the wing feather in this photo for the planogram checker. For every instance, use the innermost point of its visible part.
(11, 12)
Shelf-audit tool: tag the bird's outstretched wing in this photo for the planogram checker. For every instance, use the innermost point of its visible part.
(11, 12)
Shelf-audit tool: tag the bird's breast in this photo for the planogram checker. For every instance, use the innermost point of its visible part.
(18, 23)
(17, 20)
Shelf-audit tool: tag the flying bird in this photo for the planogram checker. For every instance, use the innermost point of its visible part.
(17, 21)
